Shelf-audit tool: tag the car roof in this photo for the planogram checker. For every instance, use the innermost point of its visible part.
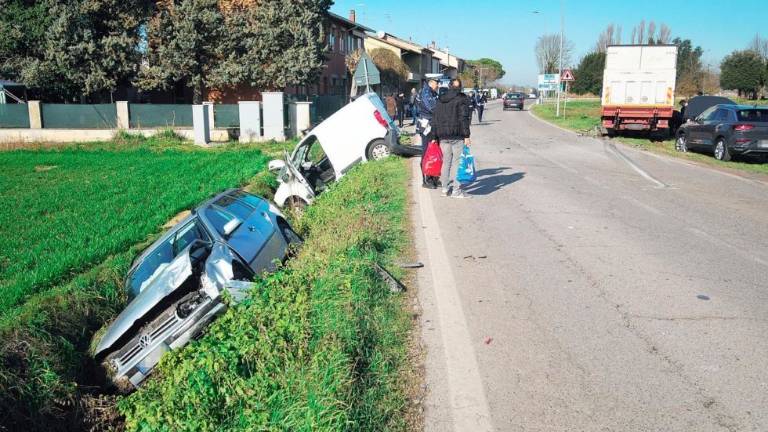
(180, 224)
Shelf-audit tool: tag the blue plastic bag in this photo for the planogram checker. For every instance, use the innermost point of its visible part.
(465, 173)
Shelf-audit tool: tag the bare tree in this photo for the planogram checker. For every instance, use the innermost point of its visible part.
(634, 34)
(548, 53)
(617, 39)
(605, 38)
(651, 33)
(665, 34)
(760, 46)
(641, 32)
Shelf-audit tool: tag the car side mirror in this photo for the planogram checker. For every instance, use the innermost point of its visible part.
(231, 226)
(276, 165)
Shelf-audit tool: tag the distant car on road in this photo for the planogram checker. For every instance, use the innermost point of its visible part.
(514, 100)
(727, 130)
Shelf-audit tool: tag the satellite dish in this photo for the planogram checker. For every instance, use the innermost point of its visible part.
(380, 34)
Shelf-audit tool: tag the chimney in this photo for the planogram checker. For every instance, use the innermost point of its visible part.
(352, 15)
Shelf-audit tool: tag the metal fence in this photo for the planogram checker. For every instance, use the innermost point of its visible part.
(324, 106)
(14, 116)
(159, 115)
(226, 116)
(77, 116)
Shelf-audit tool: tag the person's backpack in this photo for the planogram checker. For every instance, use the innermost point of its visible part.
(432, 162)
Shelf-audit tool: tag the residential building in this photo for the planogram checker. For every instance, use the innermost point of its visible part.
(418, 59)
(343, 36)
(450, 65)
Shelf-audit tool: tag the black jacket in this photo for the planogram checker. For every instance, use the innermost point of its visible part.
(452, 116)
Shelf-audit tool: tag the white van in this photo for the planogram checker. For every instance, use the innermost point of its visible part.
(360, 131)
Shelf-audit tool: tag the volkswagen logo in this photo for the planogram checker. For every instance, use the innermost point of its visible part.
(145, 340)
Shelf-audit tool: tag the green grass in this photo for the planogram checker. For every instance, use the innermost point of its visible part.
(320, 345)
(586, 116)
(68, 209)
(73, 219)
(578, 115)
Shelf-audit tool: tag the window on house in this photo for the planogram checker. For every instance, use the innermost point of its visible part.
(332, 40)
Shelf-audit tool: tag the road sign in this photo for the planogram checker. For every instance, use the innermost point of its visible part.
(567, 75)
(548, 82)
(366, 74)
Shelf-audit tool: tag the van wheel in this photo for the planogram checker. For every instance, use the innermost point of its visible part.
(377, 150)
(296, 206)
(721, 151)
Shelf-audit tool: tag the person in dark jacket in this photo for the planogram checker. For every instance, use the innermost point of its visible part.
(480, 106)
(426, 102)
(451, 122)
(400, 99)
(413, 108)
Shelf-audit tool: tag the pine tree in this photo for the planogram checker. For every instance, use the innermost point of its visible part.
(72, 48)
(744, 71)
(590, 74)
(186, 43)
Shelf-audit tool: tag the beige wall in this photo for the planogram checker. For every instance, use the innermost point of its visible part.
(372, 44)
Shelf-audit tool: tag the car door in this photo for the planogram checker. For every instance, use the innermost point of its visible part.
(696, 128)
(709, 127)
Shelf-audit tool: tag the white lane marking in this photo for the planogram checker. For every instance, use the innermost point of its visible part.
(636, 167)
(469, 406)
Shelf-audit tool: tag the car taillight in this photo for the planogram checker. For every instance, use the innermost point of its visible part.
(380, 119)
(743, 127)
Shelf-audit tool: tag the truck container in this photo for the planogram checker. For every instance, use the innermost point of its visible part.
(639, 88)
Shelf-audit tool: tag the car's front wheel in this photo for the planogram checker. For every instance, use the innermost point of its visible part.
(377, 150)
(681, 143)
(721, 151)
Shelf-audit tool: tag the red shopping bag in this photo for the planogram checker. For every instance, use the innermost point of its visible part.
(432, 162)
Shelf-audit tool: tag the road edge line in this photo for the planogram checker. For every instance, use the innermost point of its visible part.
(469, 405)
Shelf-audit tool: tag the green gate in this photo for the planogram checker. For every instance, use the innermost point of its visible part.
(14, 116)
(77, 116)
(160, 115)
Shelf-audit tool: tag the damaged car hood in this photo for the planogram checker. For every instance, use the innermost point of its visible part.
(165, 282)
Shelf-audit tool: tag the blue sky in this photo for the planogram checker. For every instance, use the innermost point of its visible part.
(507, 29)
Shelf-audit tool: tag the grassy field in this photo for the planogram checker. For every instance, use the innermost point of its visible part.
(73, 208)
(320, 345)
(578, 115)
(585, 116)
(74, 217)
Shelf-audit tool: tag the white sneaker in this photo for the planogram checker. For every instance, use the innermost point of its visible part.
(460, 194)
(445, 193)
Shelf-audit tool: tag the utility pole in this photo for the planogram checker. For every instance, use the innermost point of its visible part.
(560, 68)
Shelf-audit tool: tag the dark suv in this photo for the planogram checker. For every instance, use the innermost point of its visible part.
(727, 130)
(514, 100)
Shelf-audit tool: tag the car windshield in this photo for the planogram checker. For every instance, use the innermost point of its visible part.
(161, 256)
(514, 96)
(753, 115)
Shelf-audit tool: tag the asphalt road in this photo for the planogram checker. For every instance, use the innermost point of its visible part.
(587, 288)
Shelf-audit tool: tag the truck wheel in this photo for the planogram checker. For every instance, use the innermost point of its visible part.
(377, 150)
(721, 151)
(610, 132)
(681, 143)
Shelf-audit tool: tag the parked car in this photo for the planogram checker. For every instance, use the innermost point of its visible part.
(358, 132)
(514, 100)
(175, 286)
(726, 130)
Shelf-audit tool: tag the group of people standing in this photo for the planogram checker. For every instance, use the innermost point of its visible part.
(398, 106)
(445, 118)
